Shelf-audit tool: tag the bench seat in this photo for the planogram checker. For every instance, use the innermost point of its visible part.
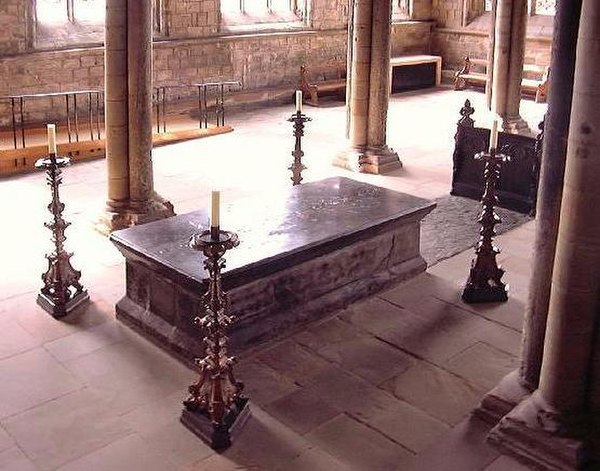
(329, 85)
(328, 81)
(538, 87)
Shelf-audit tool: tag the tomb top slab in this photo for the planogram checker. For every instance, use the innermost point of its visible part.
(276, 231)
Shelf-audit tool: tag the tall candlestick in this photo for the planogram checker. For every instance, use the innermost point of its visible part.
(494, 135)
(299, 101)
(52, 139)
(214, 207)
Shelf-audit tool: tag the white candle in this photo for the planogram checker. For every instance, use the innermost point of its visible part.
(299, 101)
(52, 139)
(214, 208)
(494, 135)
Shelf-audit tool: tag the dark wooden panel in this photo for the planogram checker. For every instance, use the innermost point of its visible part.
(517, 188)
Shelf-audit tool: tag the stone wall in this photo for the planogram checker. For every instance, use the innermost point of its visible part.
(454, 45)
(459, 33)
(190, 48)
(191, 18)
(13, 26)
(411, 37)
(447, 13)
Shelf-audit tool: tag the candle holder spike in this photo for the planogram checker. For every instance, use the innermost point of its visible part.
(62, 292)
(485, 277)
(215, 409)
(297, 167)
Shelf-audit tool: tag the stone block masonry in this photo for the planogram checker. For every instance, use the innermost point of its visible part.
(189, 48)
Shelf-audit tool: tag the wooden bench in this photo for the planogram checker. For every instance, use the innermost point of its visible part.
(474, 72)
(331, 80)
(407, 61)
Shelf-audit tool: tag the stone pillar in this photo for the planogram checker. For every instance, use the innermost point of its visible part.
(509, 49)
(575, 293)
(564, 45)
(550, 427)
(490, 58)
(349, 61)
(360, 73)
(116, 106)
(379, 158)
(139, 54)
(368, 90)
(128, 111)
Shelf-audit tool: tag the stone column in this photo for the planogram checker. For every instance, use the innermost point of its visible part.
(368, 90)
(550, 428)
(139, 54)
(564, 45)
(575, 293)
(378, 158)
(128, 111)
(509, 49)
(116, 106)
(360, 73)
(490, 58)
(349, 61)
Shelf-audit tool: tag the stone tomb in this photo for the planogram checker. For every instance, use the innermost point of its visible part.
(305, 251)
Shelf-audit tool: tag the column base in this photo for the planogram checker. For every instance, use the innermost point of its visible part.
(120, 215)
(502, 399)
(516, 125)
(536, 435)
(375, 160)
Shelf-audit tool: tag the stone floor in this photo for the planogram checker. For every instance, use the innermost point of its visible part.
(386, 384)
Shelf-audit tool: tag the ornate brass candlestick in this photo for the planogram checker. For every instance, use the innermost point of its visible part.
(62, 291)
(216, 408)
(484, 283)
(298, 118)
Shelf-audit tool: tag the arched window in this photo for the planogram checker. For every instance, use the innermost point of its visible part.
(401, 10)
(536, 7)
(60, 23)
(243, 14)
(73, 11)
(542, 7)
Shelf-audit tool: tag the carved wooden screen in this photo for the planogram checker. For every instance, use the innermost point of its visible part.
(517, 188)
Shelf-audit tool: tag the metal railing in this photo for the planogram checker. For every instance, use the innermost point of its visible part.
(206, 93)
(84, 109)
(92, 101)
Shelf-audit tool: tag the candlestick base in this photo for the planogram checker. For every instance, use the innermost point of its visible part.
(218, 435)
(485, 294)
(59, 309)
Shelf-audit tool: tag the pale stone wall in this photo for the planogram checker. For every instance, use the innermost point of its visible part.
(454, 45)
(453, 41)
(447, 13)
(421, 9)
(13, 26)
(190, 49)
(191, 18)
(411, 37)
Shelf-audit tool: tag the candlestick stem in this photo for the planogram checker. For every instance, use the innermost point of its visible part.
(298, 118)
(484, 283)
(216, 407)
(62, 292)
